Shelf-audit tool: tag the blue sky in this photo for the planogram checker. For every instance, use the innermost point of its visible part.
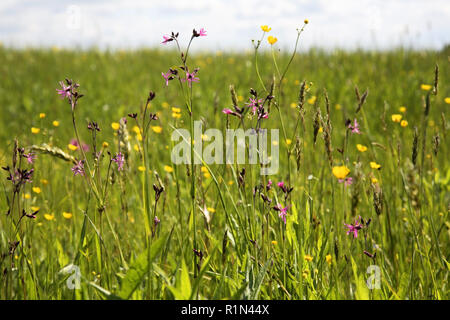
(230, 24)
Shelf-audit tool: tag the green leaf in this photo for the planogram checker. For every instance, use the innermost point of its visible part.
(139, 269)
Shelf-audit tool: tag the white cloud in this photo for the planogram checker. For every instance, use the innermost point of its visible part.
(230, 24)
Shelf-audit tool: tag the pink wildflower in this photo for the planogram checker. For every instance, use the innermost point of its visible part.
(355, 127)
(354, 227)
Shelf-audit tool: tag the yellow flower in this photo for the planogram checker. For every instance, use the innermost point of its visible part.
(168, 169)
(240, 98)
(265, 28)
(72, 147)
(176, 110)
(105, 144)
(49, 217)
(425, 87)
(42, 115)
(55, 123)
(67, 215)
(136, 130)
(274, 242)
(36, 190)
(139, 137)
(44, 182)
(165, 104)
(272, 40)
(374, 180)
(328, 259)
(404, 123)
(35, 130)
(204, 169)
(447, 100)
(312, 100)
(141, 168)
(396, 117)
(210, 209)
(308, 258)
(340, 172)
(157, 129)
(306, 21)
(338, 107)
(230, 183)
(115, 126)
(293, 105)
(375, 165)
(431, 123)
(402, 109)
(321, 129)
(26, 196)
(207, 175)
(136, 148)
(361, 148)
(288, 141)
(176, 115)
(34, 208)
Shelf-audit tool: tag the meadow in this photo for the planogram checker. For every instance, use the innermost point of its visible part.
(358, 209)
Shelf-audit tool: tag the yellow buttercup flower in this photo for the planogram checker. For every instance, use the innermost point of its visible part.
(176, 115)
(274, 242)
(36, 190)
(288, 141)
(49, 217)
(312, 100)
(168, 169)
(67, 215)
(374, 180)
(105, 144)
(340, 172)
(328, 259)
(425, 87)
(375, 165)
(26, 196)
(55, 123)
(136, 130)
(210, 209)
(72, 147)
(136, 148)
(44, 182)
(447, 100)
(176, 110)
(41, 115)
(272, 40)
(265, 28)
(157, 129)
(34, 208)
(338, 107)
(207, 175)
(404, 123)
(308, 258)
(141, 168)
(35, 130)
(396, 117)
(361, 148)
(115, 125)
(139, 137)
(321, 129)
(402, 109)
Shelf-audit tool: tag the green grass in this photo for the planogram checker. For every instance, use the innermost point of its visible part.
(248, 253)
